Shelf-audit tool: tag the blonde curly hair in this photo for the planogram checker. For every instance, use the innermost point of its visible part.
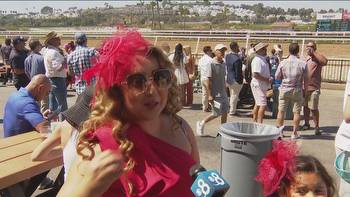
(108, 109)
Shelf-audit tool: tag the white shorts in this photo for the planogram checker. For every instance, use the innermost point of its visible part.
(259, 95)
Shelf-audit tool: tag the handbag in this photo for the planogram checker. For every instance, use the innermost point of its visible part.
(342, 166)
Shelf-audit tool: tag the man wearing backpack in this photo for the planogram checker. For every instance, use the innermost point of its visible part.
(234, 77)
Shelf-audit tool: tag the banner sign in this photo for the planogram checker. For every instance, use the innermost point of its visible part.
(329, 16)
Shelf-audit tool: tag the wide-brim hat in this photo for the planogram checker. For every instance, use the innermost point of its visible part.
(80, 111)
(51, 36)
(260, 45)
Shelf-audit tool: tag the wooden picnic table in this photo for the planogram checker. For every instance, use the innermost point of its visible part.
(15, 162)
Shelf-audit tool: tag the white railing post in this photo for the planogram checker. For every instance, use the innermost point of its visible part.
(247, 42)
(302, 48)
(155, 41)
(197, 45)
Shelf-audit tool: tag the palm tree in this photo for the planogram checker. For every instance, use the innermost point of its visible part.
(160, 27)
(151, 6)
(183, 11)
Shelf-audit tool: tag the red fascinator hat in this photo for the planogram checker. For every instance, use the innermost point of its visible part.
(117, 58)
(277, 164)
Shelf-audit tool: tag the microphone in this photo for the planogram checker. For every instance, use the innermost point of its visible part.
(207, 183)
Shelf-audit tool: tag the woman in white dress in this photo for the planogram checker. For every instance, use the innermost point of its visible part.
(179, 59)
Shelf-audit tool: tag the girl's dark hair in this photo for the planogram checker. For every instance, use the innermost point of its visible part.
(310, 164)
(307, 164)
(178, 55)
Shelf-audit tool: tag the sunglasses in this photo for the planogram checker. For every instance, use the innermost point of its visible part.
(161, 78)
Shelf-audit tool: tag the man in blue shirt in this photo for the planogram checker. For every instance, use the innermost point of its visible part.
(34, 63)
(234, 77)
(22, 112)
(17, 56)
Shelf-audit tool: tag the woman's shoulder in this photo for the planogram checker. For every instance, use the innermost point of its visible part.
(176, 119)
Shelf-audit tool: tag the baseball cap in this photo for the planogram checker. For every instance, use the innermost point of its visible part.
(277, 48)
(18, 39)
(80, 36)
(220, 46)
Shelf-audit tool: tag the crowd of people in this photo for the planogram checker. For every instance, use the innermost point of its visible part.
(123, 137)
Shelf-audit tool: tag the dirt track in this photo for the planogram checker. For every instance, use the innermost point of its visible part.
(335, 50)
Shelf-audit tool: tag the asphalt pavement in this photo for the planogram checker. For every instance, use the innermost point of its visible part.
(321, 147)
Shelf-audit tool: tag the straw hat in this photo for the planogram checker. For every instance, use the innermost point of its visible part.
(51, 36)
(261, 45)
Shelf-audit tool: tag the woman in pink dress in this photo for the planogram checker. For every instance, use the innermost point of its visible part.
(133, 143)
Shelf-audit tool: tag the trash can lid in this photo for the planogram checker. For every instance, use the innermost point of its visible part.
(250, 131)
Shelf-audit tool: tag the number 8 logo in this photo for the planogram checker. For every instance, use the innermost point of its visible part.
(217, 179)
(204, 187)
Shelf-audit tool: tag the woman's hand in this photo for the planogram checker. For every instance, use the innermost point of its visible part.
(93, 178)
(103, 170)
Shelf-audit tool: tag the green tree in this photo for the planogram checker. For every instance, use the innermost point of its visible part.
(46, 10)
(321, 11)
(206, 2)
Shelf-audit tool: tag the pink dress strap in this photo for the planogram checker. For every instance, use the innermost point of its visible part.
(160, 169)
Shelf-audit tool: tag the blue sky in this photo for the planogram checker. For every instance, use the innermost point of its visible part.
(37, 5)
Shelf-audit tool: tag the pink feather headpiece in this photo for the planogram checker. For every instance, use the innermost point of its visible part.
(277, 164)
(117, 58)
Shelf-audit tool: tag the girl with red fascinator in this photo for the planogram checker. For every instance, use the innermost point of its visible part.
(133, 143)
(284, 174)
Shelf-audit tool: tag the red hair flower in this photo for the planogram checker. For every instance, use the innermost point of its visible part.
(277, 164)
(117, 58)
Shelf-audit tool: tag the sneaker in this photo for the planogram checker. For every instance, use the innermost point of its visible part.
(200, 128)
(281, 136)
(295, 136)
(318, 131)
(305, 127)
(233, 114)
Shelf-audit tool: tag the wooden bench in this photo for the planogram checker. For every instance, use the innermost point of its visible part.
(15, 162)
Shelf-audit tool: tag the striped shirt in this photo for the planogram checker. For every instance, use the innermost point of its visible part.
(292, 71)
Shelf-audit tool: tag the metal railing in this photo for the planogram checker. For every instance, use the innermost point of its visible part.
(336, 70)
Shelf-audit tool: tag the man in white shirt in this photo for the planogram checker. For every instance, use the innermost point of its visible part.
(260, 82)
(55, 64)
(204, 66)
